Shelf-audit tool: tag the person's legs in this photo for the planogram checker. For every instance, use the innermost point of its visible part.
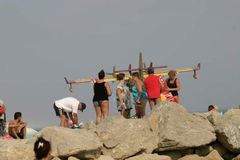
(157, 101)
(22, 133)
(151, 103)
(105, 109)
(62, 120)
(12, 132)
(66, 120)
(125, 113)
(98, 113)
(59, 113)
(137, 110)
(143, 108)
(176, 99)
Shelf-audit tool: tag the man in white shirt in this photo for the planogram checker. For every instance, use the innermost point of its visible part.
(68, 107)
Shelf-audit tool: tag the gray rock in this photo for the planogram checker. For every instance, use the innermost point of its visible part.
(175, 155)
(89, 125)
(228, 130)
(78, 143)
(212, 156)
(203, 150)
(16, 150)
(150, 157)
(177, 129)
(123, 138)
(219, 148)
(236, 158)
(72, 158)
(103, 157)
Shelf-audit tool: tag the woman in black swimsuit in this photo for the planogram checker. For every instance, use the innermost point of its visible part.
(173, 84)
(102, 91)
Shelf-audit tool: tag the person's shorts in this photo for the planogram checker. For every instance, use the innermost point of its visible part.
(99, 103)
(153, 99)
(59, 111)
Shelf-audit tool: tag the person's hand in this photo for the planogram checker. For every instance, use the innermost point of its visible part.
(138, 101)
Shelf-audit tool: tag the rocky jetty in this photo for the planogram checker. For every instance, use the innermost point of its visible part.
(169, 132)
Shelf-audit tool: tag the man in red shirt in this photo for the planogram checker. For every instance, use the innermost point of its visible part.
(153, 87)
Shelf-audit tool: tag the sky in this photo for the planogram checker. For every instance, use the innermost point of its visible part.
(41, 42)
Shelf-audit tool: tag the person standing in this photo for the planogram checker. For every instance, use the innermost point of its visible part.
(102, 91)
(173, 84)
(17, 128)
(123, 97)
(139, 95)
(153, 87)
(68, 107)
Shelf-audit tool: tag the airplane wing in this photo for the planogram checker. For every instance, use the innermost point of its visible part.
(180, 70)
(92, 80)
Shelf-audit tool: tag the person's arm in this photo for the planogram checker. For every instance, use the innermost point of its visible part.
(12, 130)
(139, 89)
(74, 118)
(22, 125)
(119, 96)
(161, 81)
(107, 86)
(12, 125)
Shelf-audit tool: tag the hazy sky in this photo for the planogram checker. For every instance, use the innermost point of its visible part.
(43, 41)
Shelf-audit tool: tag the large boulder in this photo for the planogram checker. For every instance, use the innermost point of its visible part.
(219, 148)
(78, 143)
(212, 156)
(228, 130)
(177, 129)
(150, 157)
(16, 150)
(237, 158)
(123, 138)
(103, 157)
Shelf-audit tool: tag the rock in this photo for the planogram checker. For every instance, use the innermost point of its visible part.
(212, 156)
(103, 157)
(203, 150)
(219, 148)
(78, 143)
(175, 155)
(177, 129)
(56, 158)
(16, 149)
(214, 118)
(192, 157)
(236, 158)
(89, 125)
(123, 138)
(31, 133)
(149, 157)
(72, 158)
(228, 130)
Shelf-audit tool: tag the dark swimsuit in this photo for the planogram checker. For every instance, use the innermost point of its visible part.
(172, 85)
(100, 93)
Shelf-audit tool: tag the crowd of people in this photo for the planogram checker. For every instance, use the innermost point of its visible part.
(130, 93)
(134, 92)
